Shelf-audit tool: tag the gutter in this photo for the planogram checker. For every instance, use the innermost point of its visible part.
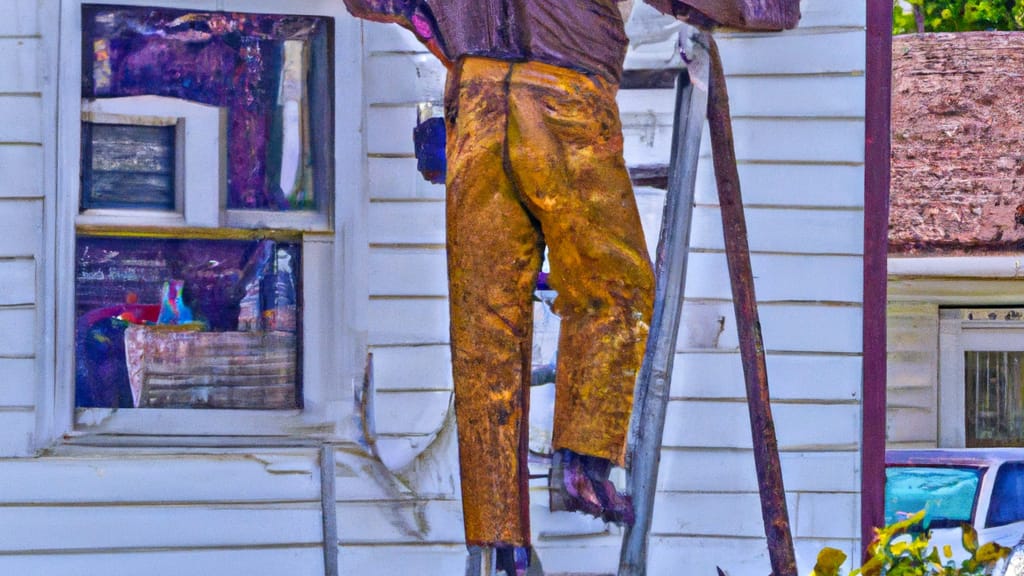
(967, 267)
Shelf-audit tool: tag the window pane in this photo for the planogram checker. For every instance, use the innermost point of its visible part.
(127, 166)
(194, 323)
(995, 413)
(946, 494)
(269, 72)
(1007, 496)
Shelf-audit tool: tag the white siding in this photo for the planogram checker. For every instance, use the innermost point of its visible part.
(247, 561)
(163, 513)
(798, 104)
(408, 307)
(912, 373)
(21, 219)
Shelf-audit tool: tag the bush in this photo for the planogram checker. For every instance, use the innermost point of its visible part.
(898, 551)
(957, 15)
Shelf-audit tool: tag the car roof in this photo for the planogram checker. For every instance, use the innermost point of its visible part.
(953, 456)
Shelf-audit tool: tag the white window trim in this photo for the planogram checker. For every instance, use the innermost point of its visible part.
(958, 335)
(200, 189)
(334, 328)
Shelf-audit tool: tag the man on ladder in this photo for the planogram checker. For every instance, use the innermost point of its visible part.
(534, 160)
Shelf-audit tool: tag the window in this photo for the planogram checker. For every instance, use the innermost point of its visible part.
(265, 73)
(948, 495)
(187, 323)
(225, 100)
(981, 401)
(1007, 503)
(199, 229)
(993, 398)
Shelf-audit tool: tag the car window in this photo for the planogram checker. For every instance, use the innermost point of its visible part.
(947, 494)
(1007, 496)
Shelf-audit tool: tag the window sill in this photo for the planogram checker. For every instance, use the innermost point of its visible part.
(192, 427)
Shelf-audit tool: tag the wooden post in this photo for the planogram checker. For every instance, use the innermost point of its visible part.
(748, 325)
(654, 380)
(877, 151)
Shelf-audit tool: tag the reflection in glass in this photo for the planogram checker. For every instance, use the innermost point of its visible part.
(270, 72)
(947, 495)
(193, 323)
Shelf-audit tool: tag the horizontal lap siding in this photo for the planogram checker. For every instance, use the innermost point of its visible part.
(22, 119)
(795, 377)
(396, 560)
(19, 65)
(16, 372)
(788, 328)
(246, 561)
(22, 167)
(798, 103)
(832, 186)
(692, 470)
(21, 18)
(786, 229)
(408, 307)
(171, 513)
(912, 374)
(121, 527)
(21, 220)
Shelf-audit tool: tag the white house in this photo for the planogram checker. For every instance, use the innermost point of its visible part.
(358, 474)
(954, 269)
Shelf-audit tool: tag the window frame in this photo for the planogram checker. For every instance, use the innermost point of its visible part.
(957, 335)
(333, 343)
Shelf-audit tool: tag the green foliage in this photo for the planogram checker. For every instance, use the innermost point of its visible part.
(899, 551)
(958, 15)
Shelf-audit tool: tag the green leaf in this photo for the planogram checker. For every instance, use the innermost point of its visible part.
(959, 15)
(970, 538)
(829, 562)
(991, 552)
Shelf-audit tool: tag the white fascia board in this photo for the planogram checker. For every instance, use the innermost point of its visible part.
(957, 267)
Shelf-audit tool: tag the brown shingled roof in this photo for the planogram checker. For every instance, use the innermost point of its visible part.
(957, 143)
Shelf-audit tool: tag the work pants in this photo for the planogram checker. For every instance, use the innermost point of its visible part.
(534, 160)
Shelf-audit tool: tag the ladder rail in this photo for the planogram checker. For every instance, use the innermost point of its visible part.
(654, 381)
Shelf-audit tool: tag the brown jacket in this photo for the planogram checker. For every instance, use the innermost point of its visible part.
(585, 35)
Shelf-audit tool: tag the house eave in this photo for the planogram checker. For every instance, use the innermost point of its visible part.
(973, 267)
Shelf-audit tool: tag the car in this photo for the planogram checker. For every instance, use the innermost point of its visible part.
(983, 487)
